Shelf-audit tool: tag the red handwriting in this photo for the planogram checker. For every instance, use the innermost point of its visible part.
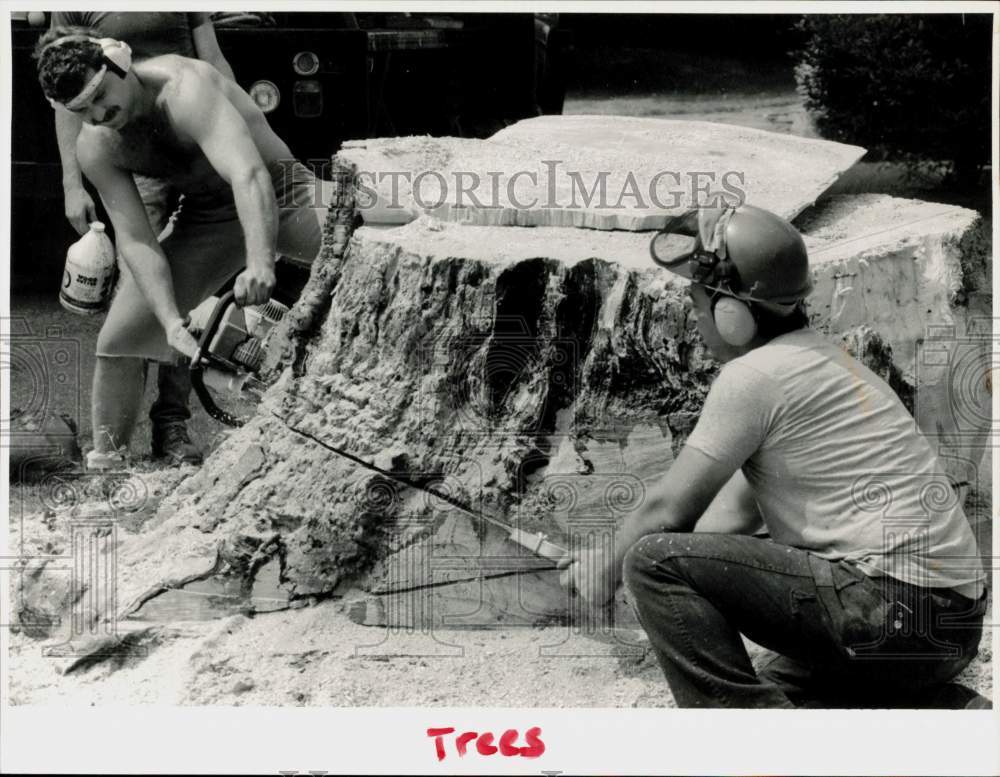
(533, 747)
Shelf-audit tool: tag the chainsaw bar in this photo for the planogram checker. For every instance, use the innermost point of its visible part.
(536, 542)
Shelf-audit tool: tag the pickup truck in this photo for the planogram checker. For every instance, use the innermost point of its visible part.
(321, 78)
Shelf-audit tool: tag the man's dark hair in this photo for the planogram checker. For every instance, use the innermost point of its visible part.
(62, 69)
(771, 325)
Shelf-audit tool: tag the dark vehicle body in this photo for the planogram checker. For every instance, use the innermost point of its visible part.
(338, 76)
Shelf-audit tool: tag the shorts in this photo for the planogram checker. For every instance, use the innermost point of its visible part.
(206, 248)
(160, 198)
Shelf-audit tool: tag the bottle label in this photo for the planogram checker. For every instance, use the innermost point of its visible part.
(84, 290)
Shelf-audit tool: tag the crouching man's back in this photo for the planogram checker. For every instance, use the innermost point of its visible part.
(837, 464)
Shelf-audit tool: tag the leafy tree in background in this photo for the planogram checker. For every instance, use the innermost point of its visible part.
(912, 88)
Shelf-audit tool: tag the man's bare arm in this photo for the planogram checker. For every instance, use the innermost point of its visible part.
(674, 505)
(199, 109)
(733, 511)
(136, 242)
(677, 501)
(79, 205)
(206, 45)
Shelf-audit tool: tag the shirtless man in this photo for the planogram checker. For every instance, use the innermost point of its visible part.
(149, 34)
(177, 119)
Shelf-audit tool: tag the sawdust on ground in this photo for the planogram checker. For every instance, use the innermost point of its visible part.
(316, 656)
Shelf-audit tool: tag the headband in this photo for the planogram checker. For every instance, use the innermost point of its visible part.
(91, 86)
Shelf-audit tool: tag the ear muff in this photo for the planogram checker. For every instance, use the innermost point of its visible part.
(734, 321)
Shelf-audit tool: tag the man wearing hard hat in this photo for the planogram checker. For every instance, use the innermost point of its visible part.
(869, 589)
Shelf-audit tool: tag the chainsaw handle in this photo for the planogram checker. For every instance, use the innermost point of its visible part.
(211, 327)
(201, 359)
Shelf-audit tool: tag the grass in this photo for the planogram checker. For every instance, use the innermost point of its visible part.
(679, 84)
(610, 71)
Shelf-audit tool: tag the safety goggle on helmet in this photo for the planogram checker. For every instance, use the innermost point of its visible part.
(745, 252)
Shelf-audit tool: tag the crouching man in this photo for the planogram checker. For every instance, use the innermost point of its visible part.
(179, 120)
(870, 590)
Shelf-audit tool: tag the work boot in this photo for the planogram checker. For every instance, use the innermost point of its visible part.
(173, 385)
(169, 415)
(171, 442)
(104, 461)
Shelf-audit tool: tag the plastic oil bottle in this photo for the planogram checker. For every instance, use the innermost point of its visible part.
(90, 272)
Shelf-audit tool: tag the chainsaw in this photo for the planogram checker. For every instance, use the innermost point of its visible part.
(231, 349)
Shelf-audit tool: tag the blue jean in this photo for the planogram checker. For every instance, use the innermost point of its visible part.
(841, 638)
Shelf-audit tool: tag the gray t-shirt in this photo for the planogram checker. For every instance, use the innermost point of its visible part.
(837, 464)
(148, 33)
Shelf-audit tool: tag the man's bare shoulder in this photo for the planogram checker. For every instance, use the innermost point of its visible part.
(176, 76)
(171, 64)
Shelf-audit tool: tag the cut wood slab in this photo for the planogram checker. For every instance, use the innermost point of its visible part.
(597, 172)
